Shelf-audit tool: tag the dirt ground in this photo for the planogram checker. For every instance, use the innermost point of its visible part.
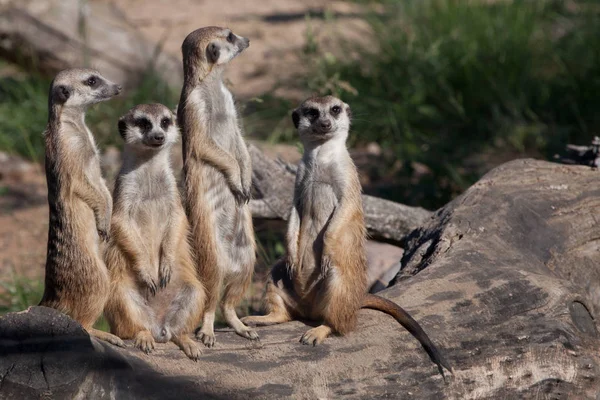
(277, 30)
(23, 218)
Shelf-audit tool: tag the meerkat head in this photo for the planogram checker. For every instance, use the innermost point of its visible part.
(80, 88)
(211, 46)
(148, 127)
(320, 119)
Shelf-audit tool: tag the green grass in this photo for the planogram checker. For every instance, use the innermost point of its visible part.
(24, 111)
(17, 293)
(454, 85)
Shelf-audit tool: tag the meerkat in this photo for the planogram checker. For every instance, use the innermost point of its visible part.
(155, 292)
(323, 276)
(217, 177)
(76, 278)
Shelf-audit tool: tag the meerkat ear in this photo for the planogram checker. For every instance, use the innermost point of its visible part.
(122, 127)
(213, 52)
(349, 112)
(61, 94)
(296, 118)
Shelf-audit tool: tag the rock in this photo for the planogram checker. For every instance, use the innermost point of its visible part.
(58, 34)
(505, 280)
(381, 257)
(45, 354)
(511, 269)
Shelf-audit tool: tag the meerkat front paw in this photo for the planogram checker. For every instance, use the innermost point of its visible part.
(103, 224)
(325, 263)
(103, 228)
(247, 190)
(104, 236)
(247, 196)
(164, 273)
(239, 195)
(149, 283)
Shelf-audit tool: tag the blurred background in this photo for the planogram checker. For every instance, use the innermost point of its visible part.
(441, 92)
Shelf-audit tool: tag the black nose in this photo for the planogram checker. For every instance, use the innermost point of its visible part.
(325, 125)
(118, 89)
(159, 138)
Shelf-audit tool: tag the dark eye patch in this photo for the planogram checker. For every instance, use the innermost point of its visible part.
(335, 110)
(311, 113)
(92, 81)
(144, 124)
(165, 123)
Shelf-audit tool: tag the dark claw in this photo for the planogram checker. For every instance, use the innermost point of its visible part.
(103, 235)
(164, 281)
(239, 197)
(152, 288)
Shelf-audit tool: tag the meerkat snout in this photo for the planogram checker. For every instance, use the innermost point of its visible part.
(148, 126)
(322, 118)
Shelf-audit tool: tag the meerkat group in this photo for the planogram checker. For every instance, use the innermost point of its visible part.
(158, 263)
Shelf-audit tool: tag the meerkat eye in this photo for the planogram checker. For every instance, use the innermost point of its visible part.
(144, 124)
(91, 81)
(311, 113)
(335, 110)
(231, 37)
(165, 123)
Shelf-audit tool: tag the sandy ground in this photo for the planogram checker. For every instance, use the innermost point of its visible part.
(23, 219)
(277, 30)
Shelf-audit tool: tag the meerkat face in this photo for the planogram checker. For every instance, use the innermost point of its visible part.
(225, 47)
(148, 127)
(213, 45)
(81, 87)
(322, 118)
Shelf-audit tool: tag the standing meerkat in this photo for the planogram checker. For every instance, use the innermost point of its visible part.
(323, 276)
(217, 176)
(155, 293)
(76, 281)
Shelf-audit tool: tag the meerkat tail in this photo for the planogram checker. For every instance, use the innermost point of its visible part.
(384, 305)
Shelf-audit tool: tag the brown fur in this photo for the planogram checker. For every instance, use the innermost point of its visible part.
(155, 292)
(76, 280)
(217, 175)
(323, 276)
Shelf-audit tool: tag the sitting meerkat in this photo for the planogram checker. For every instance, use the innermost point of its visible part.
(324, 274)
(76, 279)
(217, 176)
(155, 293)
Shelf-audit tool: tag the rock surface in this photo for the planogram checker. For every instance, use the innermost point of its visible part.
(58, 34)
(45, 354)
(505, 279)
